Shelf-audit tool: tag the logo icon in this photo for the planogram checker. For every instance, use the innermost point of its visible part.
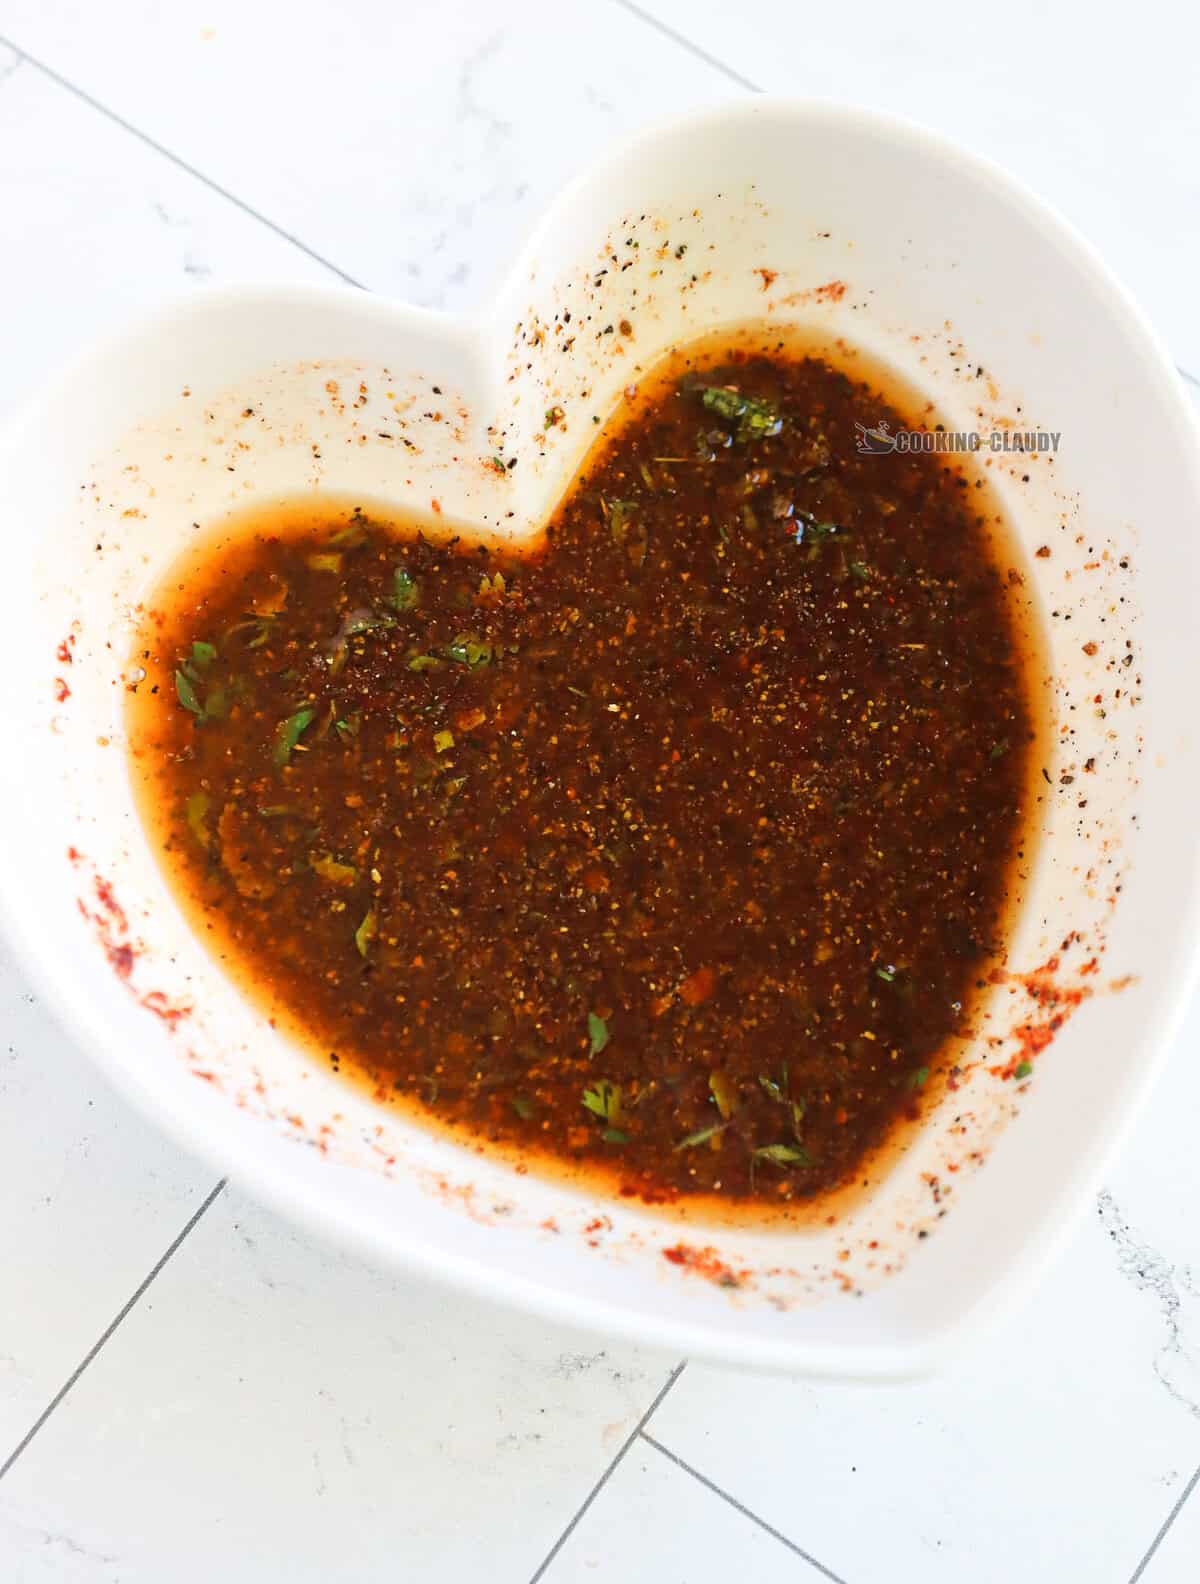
(874, 441)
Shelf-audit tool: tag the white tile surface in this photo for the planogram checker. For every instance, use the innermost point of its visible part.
(1096, 111)
(91, 1198)
(654, 1522)
(409, 144)
(95, 226)
(269, 1410)
(299, 1417)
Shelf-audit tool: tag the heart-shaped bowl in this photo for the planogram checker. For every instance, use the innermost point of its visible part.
(837, 222)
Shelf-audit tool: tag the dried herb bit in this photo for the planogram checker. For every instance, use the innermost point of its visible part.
(356, 532)
(188, 697)
(724, 1092)
(808, 531)
(783, 1155)
(887, 973)
(597, 1033)
(752, 419)
(918, 1079)
(365, 933)
(523, 1106)
(701, 1136)
(469, 650)
(628, 529)
(773, 1089)
(196, 813)
(443, 741)
(289, 732)
(1023, 1069)
(329, 868)
(205, 706)
(999, 749)
(860, 570)
(554, 416)
(324, 561)
(603, 1099)
(426, 662)
(349, 726)
(406, 592)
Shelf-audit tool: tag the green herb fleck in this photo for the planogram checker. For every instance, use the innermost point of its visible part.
(405, 590)
(783, 1155)
(603, 1099)
(999, 749)
(1023, 1069)
(887, 974)
(329, 868)
(523, 1106)
(443, 741)
(554, 416)
(468, 650)
(289, 732)
(187, 694)
(203, 654)
(325, 561)
(615, 1135)
(754, 419)
(701, 1136)
(918, 1079)
(597, 1033)
(365, 933)
(354, 533)
(724, 1092)
(860, 570)
(425, 662)
(196, 811)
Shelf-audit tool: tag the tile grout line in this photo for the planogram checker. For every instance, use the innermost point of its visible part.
(191, 170)
(108, 1331)
(637, 1430)
(686, 43)
(1166, 1525)
(738, 1507)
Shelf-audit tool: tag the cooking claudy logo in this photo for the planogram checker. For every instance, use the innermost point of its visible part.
(878, 440)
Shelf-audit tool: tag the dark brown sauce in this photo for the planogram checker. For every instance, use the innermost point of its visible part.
(674, 849)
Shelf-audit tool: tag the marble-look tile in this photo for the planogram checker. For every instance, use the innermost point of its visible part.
(92, 1197)
(1097, 119)
(653, 1523)
(412, 145)
(95, 226)
(274, 1411)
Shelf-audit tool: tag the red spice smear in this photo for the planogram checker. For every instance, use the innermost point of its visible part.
(768, 275)
(706, 1262)
(1055, 1004)
(63, 652)
(832, 291)
(61, 691)
(111, 924)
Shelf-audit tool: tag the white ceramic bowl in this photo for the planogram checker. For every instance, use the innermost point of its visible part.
(933, 261)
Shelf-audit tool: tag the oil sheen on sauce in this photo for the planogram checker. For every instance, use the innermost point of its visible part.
(673, 850)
